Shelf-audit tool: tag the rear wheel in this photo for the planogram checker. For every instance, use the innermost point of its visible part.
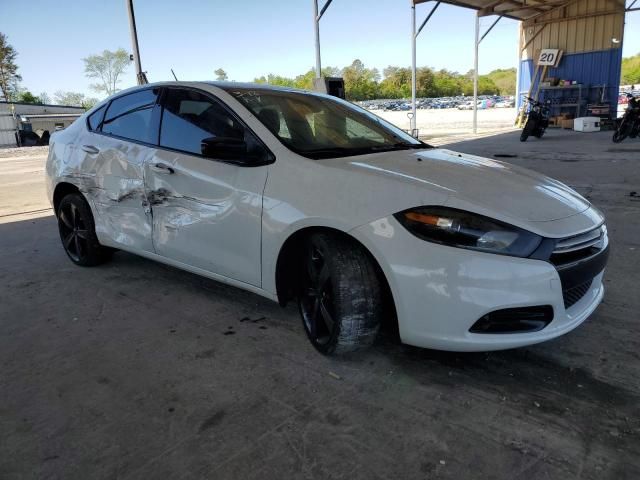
(526, 131)
(77, 232)
(340, 294)
(621, 132)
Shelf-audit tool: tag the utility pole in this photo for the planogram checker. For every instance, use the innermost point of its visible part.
(140, 75)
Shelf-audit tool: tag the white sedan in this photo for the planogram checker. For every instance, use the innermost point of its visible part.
(300, 196)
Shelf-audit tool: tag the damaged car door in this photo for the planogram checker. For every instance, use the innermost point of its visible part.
(205, 186)
(129, 132)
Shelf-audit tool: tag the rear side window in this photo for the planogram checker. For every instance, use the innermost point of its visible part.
(188, 117)
(130, 116)
(95, 119)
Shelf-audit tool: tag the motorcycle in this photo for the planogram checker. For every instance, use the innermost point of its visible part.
(629, 124)
(537, 119)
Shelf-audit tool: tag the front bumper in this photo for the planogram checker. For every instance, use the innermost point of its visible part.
(440, 291)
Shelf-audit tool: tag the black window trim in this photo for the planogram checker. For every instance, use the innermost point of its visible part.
(154, 120)
(157, 119)
(99, 127)
(270, 157)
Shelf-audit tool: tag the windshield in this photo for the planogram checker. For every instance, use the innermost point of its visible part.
(318, 126)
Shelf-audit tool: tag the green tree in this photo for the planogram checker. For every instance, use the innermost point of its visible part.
(504, 79)
(74, 99)
(25, 96)
(9, 77)
(221, 75)
(447, 84)
(305, 81)
(396, 83)
(280, 81)
(44, 97)
(107, 67)
(360, 83)
(630, 70)
(363, 83)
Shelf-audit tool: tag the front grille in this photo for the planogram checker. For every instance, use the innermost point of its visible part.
(578, 247)
(572, 295)
(578, 260)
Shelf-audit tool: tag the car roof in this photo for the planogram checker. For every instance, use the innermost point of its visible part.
(218, 84)
(226, 86)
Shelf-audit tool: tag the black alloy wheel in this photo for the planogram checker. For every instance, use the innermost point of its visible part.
(339, 294)
(316, 301)
(77, 232)
(73, 232)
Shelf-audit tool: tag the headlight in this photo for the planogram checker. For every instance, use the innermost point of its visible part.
(458, 228)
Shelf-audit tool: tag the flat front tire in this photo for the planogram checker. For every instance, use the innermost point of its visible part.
(340, 294)
(78, 234)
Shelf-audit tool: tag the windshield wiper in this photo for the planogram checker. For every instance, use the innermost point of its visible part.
(399, 146)
(414, 146)
(332, 152)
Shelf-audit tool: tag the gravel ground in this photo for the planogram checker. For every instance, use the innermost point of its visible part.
(451, 124)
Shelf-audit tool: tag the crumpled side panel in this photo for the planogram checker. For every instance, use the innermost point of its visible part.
(113, 182)
(208, 214)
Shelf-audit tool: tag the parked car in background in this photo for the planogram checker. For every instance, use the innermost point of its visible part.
(505, 104)
(298, 196)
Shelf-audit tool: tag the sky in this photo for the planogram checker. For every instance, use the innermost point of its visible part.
(247, 39)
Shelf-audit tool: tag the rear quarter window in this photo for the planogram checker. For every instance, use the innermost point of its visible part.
(130, 117)
(95, 119)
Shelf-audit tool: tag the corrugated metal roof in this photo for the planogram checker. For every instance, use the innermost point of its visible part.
(51, 115)
(516, 9)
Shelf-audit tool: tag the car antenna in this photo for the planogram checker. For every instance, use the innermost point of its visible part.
(174, 75)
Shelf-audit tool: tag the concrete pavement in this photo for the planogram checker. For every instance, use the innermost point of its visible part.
(135, 370)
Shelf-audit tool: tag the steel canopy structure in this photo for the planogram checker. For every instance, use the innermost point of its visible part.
(514, 9)
(532, 13)
(535, 15)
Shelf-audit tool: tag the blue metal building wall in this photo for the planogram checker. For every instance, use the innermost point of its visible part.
(589, 69)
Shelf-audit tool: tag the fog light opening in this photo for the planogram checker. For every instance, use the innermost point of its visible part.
(514, 320)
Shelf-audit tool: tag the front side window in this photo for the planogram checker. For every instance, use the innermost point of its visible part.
(318, 126)
(189, 117)
(130, 116)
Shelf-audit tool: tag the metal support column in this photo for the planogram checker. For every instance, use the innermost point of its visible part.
(412, 120)
(316, 23)
(518, 66)
(475, 67)
(475, 76)
(414, 37)
(140, 75)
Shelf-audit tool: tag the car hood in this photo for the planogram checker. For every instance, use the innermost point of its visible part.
(492, 187)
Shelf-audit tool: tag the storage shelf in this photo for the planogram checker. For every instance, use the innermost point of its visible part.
(568, 87)
(577, 105)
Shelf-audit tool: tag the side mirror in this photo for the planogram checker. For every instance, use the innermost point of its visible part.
(224, 148)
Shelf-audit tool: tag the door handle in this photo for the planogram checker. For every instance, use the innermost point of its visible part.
(90, 149)
(162, 168)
